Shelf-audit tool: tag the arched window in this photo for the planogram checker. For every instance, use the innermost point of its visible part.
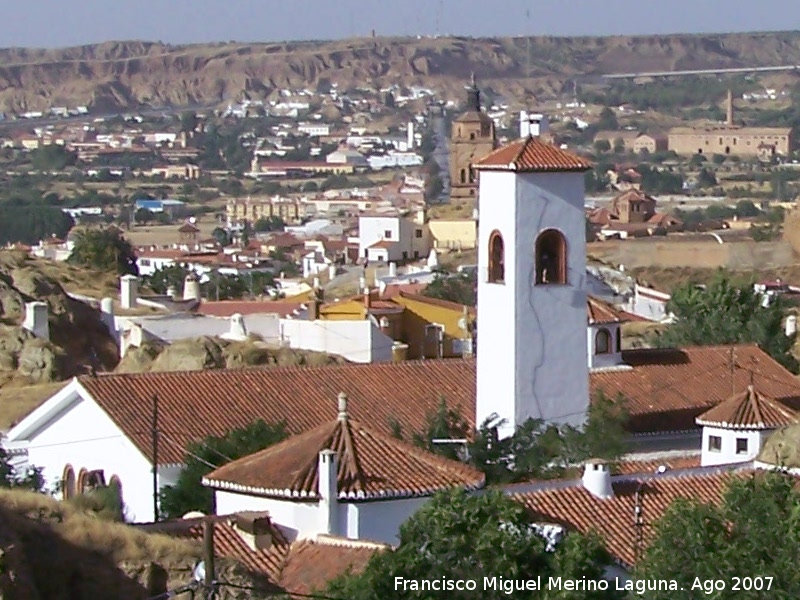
(80, 486)
(116, 484)
(471, 175)
(619, 340)
(496, 258)
(602, 342)
(551, 258)
(68, 483)
(463, 176)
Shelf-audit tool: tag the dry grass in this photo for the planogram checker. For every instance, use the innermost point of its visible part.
(17, 402)
(163, 235)
(118, 541)
(458, 209)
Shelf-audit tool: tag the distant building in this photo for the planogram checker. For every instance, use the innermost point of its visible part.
(158, 206)
(472, 138)
(731, 139)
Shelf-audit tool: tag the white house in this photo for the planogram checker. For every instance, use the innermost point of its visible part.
(394, 159)
(392, 238)
(604, 336)
(531, 271)
(648, 303)
(735, 430)
(341, 478)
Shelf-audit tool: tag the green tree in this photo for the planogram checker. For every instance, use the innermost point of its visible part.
(722, 313)
(221, 236)
(269, 224)
(202, 457)
(444, 424)
(459, 288)
(52, 158)
(458, 536)
(144, 215)
(166, 277)
(706, 178)
(189, 120)
(104, 250)
(608, 120)
(754, 533)
(746, 208)
(602, 146)
(29, 223)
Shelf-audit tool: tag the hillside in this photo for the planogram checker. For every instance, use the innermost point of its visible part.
(127, 74)
(51, 550)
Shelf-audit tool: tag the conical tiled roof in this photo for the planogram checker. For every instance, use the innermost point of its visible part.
(748, 410)
(531, 155)
(371, 465)
(602, 312)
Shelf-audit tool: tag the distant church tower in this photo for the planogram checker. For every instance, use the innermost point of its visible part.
(532, 353)
(472, 138)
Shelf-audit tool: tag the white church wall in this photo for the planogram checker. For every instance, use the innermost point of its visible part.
(82, 435)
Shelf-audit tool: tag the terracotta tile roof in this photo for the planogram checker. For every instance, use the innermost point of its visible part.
(393, 289)
(437, 302)
(667, 389)
(227, 308)
(602, 312)
(196, 404)
(574, 507)
(748, 410)
(383, 244)
(313, 563)
(531, 155)
(299, 567)
(371, 465)
(188, 228)
(650, 466)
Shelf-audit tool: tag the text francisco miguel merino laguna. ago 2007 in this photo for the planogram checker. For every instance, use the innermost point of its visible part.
(509, 586)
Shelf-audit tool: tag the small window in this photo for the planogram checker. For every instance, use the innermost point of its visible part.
(602, 342)
(741, 445)
(463, 176)
(496, 258)
(619, 340)
(418, 233)
(714, 443)
(471, 175)
(387, 234)
(551, 258)
(472, 136)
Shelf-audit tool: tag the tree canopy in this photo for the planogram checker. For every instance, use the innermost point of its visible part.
(754, 535)
(104, 249)
(722, 313)
(188, 493)
(457, 536)
(461, 288)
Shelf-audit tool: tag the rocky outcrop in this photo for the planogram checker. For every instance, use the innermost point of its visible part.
(195, 354)
(127, 74)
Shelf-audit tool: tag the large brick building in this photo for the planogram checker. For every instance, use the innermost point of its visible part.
(731, 139)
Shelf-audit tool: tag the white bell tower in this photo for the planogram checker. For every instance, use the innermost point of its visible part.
(531, 343)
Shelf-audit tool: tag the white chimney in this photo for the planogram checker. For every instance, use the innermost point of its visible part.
(362, 284)
(597, 479)
(129, 291)
(107, 315)
(36, 320)
(328, 492)
(191, 288)
(331, 271)
(791, 325)
(315, 283)
(433, 259)
(238, 331)
(392, 269)
(410, 136)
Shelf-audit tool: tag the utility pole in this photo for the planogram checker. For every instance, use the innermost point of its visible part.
(154, 439)
(208, 557)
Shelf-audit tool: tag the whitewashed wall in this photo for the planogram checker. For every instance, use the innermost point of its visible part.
(357, 341)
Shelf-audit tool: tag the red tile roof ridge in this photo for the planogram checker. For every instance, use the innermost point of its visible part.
(290, 469)
(748, 409)
(335, 540)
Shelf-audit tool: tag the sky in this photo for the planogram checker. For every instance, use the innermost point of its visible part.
(56, 23)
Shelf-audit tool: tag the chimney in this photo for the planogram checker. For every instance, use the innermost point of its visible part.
(367, 298)
(328, 491)
(191, 288)
(597, 479)
(237, 331)
(36, 320)
(392, 269)
(730, 108)
(254, 528)
(331, 271)
(129, 291)
(107, 315)
(386, 326)
(791, 325)
(315, 284)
